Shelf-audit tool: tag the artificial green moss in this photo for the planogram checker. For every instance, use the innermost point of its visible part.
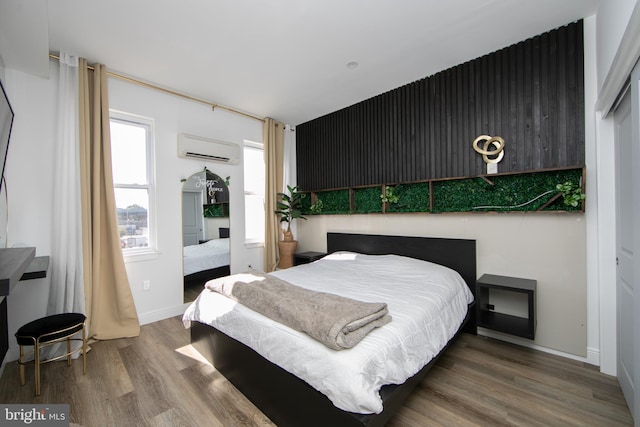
(334, 201)
(412, 198)
(305, 204)
(367, 200)
(521, 192)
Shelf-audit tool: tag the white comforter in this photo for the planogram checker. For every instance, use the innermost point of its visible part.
(427, 302)
(210, 254)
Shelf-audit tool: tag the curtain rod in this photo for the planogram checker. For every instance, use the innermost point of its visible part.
(170, 92)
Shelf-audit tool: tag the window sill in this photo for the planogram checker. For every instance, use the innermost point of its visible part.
(140, 255)
(250, 244)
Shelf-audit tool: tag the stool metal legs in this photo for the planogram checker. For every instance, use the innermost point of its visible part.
(37, 346)
(36, 363)
(21, 362)
(68, 352)
(36, 355)
(84, 350)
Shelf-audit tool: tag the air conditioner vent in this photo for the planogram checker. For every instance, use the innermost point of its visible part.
(207, 157)
(196, 147)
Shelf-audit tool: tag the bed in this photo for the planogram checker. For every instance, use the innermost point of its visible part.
(289, 400)
(207, 260)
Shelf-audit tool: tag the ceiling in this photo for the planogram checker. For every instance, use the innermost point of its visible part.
(285, 59)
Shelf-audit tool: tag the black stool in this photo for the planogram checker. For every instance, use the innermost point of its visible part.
(47, 331)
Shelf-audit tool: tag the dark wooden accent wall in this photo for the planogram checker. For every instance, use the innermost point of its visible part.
(531, 94)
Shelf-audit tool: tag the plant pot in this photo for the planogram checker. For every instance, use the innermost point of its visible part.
(287, 251)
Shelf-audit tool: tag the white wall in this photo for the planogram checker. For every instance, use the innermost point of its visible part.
(3, 208)
(612, 19)
(1, 69)
(29, 177)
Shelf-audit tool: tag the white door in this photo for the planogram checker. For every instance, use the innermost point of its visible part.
(192, 220)
(635, 194)
(627, 145)
(625, 249)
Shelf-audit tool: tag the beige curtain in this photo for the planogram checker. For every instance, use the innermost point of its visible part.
(273, 140)
(109, 303)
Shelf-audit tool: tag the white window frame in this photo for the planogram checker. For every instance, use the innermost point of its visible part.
(151, 251)
(253, 243)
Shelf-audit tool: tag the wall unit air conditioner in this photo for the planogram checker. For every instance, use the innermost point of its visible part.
(197, 147)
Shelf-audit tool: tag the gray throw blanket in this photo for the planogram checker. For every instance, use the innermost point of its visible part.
(333, 320)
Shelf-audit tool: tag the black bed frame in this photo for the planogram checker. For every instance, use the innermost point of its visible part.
(290, 401)
(199, 278)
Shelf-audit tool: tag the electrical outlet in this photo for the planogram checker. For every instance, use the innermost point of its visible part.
(146, 285)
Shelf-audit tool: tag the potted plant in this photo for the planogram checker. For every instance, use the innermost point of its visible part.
(288, 207)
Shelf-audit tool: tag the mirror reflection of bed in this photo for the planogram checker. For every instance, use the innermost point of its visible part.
(205, 231)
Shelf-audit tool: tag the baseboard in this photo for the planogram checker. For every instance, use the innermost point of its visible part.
(593, 356)
(166, 313)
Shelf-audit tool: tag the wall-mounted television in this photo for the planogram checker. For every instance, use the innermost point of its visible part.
(6, 121)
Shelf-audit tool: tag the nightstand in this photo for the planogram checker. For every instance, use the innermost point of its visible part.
(307, 257)
(514, 290)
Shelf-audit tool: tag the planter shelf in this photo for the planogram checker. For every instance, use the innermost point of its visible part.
(502, 192)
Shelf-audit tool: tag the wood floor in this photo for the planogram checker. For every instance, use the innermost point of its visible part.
(191, 292)
(157, 380)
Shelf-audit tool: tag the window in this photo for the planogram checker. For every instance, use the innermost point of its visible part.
(132, 166)
(254, 193)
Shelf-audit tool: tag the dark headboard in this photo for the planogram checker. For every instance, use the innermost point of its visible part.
(457, 254)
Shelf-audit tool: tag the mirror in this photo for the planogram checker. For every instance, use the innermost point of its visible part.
(205, 231)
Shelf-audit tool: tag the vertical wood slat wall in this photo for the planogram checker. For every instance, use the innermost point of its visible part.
(531, 94)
